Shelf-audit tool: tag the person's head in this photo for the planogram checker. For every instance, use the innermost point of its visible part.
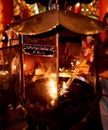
(105, 19)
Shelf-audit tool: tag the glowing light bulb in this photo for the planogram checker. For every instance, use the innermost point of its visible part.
(77, 4)
(14, 67)
(24, 66)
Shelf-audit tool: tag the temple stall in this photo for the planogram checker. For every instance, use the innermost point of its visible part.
(57, 68)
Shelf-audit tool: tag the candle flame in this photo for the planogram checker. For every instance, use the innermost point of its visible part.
(53, 91)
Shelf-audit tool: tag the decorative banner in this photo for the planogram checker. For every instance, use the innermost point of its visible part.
(42, 50)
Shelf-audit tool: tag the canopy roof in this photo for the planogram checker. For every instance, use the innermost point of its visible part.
(48, 20)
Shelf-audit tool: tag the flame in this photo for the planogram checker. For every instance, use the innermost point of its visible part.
(64, 88)
(53, 90)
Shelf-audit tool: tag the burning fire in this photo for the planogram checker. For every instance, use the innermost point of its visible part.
(52, 88)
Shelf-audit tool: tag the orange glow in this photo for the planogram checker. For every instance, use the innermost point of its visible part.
(24, 66)
(77, 4)
(1, 20)
(14, 67)
(52, 90)
(6, 13)
(1, 16)
(28, 64)
(103, 8)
